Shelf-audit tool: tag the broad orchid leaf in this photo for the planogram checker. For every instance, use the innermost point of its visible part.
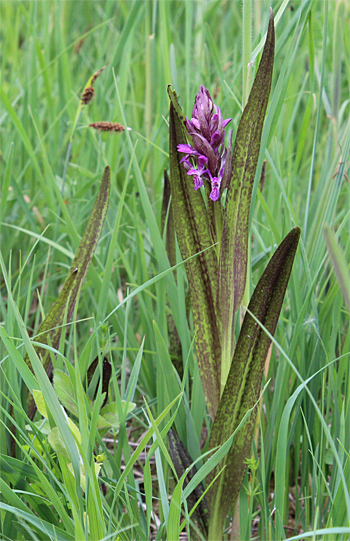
(244, 380)
(168, 228)
(193, 235)
(50, 330)
(234, 242)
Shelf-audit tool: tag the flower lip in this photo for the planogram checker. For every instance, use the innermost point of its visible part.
(215, 186)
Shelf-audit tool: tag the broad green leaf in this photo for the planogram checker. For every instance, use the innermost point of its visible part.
(40, 403)
(244, 380)
(109, 417)
(50, 330)
(75, 430)
(64, 390)
(83, 473)
(234, 242)
(43, 426)
(193, 235)
(56, 441)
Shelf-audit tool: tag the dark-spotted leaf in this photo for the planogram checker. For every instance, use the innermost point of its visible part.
(168, 229)
(106, 376)
(49, 332)
(193, 236)
(234, 243)
(244, 380)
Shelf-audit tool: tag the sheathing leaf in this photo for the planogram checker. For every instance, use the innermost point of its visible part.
(193, 235)
(182, 461)
(175, 348)
(234, 243)
(244, 380)
(50, 329)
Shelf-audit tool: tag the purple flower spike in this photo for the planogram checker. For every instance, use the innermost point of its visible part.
(206, 159)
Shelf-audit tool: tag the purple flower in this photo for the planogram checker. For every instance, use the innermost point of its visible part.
(215, 187)
(208, 153)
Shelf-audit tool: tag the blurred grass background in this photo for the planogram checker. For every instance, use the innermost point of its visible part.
(51, 166)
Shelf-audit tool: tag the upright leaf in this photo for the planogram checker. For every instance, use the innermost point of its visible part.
(50, 330)
(175, 348)
(234, 243)
(193, 235)
(244, 380)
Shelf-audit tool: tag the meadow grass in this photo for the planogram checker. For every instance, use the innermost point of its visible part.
(298, 477)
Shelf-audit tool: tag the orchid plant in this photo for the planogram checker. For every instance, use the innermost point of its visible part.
(216, 228)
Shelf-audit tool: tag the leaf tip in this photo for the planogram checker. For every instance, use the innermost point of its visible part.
(297, 232)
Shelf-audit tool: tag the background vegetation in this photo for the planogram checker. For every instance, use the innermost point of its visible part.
(51, 165)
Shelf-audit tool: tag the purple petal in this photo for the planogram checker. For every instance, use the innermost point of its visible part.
(203, 122)
(198, 182)
(202, 160)
(215, 139)
(215, 189)
(225, 122)
(186, 163)
(215, 194)
(192, 171)
(195, 123)
(203, 147)
(214, 122)
(186, 149)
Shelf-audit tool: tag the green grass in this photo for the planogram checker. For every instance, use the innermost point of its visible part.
(51, 168)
